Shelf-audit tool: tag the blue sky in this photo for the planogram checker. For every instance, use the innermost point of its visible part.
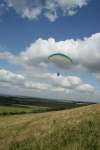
(22, 32)
(27, 28)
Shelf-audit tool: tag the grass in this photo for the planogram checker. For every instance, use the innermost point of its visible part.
(13, 109)
(74, 129)
(22, 109)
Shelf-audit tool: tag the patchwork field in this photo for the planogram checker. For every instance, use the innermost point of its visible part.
(22, 109)
(72, 129)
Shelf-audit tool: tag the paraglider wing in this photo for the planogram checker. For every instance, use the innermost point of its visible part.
(60, 59)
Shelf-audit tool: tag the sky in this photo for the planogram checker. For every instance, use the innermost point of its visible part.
(32, 30)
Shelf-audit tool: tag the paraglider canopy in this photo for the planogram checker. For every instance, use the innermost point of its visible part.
(60, 59)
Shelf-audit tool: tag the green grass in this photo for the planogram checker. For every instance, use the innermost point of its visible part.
(22, 109)
(74, 129)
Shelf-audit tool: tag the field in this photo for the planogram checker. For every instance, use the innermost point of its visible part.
(12, 105)
(22, 109)
(69, 129)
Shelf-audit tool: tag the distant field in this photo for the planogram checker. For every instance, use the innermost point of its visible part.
(10, 105)
(74, 129)
(22, 109)
(13, 109)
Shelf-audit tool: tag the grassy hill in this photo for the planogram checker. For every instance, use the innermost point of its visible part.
(73, 129)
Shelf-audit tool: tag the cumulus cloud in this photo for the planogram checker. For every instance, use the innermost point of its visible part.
(51, 15)
(9, 77)
(98, 76)
(35, 73)
(4, 55)
(32, 9)
(86, 88)
(36, 86)
(70, 83)
(85, 53)
(55, 84)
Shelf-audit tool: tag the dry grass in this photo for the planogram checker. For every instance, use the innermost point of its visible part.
(74, 129)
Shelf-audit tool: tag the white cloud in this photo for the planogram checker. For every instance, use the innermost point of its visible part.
(9, 79)
(98, 76)
(6, 55)
(32, 13)
(35, 72)
(85, 53)
(58, 89)
(86, 88)
(49, 8)
(36, 86)
(51, 15)
(69, 82)
(50, 82)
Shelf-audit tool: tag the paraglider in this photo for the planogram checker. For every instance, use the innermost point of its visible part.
(60, 59)
(58, 74)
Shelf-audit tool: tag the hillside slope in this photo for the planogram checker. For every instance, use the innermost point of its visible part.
(74, 129)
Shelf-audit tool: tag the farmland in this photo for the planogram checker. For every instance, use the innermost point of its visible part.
(69, 129)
